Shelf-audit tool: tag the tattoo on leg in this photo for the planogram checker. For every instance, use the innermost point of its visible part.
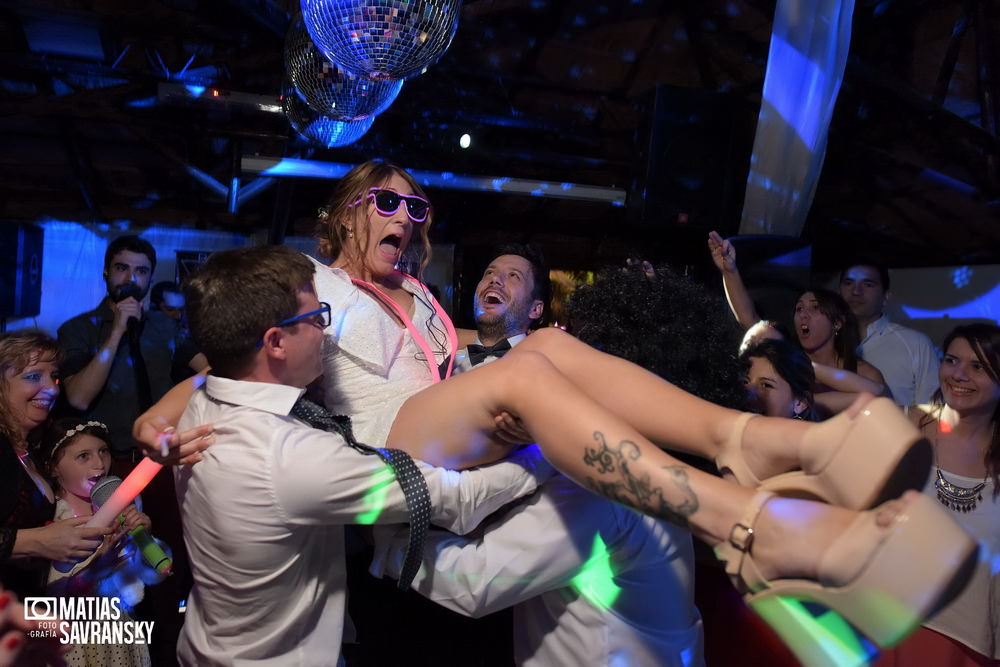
(618, 483)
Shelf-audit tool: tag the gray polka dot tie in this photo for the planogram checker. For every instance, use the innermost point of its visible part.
(409, 477)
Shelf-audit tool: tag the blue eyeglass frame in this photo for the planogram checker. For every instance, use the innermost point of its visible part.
(324, 308)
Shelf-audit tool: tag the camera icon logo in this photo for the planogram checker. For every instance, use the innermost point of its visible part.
(40, 609)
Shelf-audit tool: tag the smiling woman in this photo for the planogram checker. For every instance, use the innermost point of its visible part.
(28, 388)
(963, 423)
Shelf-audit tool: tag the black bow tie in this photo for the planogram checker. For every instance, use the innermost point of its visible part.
(478, 353)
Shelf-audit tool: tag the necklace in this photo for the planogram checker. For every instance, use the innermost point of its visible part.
(958, 498)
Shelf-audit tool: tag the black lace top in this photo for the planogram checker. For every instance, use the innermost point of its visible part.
(22, 505)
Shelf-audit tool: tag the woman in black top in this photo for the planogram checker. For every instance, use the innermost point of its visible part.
(29, 540)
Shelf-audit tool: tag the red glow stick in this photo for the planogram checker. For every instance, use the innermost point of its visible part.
(123, 496)
(130, 487)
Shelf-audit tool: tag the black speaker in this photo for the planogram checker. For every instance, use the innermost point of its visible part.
(693, 148)
(20, 270)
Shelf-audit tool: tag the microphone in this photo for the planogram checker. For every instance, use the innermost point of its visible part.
(124, 292)
(103, 492)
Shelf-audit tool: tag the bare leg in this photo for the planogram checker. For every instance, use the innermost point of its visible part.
(763, 538)
(662, 412)
(600, 450)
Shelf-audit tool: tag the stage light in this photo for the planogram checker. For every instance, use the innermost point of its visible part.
(382, 39)
(465, 141)
(327, 88)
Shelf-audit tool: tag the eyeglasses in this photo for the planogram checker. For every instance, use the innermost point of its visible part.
(320, 317)
(387, 202)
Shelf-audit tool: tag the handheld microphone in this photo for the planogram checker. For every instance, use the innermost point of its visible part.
(103, 495)
(124, 292)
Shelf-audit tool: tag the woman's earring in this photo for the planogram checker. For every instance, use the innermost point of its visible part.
(350, 232)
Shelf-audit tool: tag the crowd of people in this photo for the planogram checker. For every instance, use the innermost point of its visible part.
(837, 462)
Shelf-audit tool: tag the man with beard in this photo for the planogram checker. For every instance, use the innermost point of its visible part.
(511, 299)
(905, 357)
(118, 361)
(588, 581)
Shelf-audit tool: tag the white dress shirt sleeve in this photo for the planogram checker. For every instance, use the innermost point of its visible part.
(462, 499)
(925, 371)
(538, 546)
(318, 479)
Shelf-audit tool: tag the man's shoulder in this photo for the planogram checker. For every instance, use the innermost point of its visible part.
(253, 427)
(230, 408)
(910, 334)
(90, 319)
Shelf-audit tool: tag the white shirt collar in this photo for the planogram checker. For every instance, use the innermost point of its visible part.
(878, 326)
(274, 398)
(513, 340)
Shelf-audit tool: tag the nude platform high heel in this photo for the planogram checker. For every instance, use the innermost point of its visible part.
(884, 581)
(854, 462)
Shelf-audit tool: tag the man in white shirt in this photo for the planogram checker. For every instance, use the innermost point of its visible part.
(905, 357)
(591, 582)
(264, 510)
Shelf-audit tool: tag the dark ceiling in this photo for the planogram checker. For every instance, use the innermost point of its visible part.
(555, 91)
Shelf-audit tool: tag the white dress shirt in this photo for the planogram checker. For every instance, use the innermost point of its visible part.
(263, 516)
(592, 582)
(906, 359)
(463, 364)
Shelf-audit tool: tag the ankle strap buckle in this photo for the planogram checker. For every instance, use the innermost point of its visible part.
(741, 534)
(741, 537)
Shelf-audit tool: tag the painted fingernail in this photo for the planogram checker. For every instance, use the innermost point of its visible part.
(5, 599)
(12, 642)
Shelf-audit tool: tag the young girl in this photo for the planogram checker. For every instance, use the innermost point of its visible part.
(75, 454)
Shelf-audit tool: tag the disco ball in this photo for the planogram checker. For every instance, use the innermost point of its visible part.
(326, 87)
(382, 39)
(320, 129)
